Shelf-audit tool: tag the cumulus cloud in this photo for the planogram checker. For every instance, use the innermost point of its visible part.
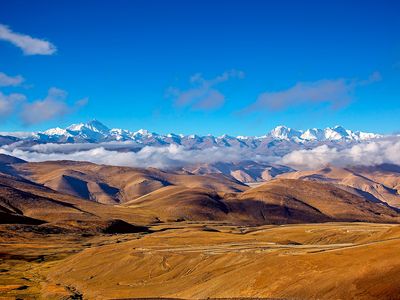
(6, 80)
(53, 106)
(203, 94)
(366, 154)
(8, 103)
(337, 93)
(28, 44)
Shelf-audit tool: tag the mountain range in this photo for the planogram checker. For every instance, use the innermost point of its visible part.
(96, 132)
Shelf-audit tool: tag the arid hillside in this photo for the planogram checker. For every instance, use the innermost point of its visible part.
(378, 183)
(79, 190)
(324, 198)
(331, 261)
(112, 185)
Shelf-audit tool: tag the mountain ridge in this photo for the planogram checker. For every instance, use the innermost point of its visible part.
(95, 132)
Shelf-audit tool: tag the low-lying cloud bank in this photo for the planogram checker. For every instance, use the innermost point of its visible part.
(65, 149)
(129, 154)
(365, 154)
(159, 157)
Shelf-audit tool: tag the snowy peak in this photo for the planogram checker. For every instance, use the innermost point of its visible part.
(142, 133)
(285, 133)
(96, 132)
(313, 134)
(94, 126)
(336, 133)
(56, 131)
(97, 126)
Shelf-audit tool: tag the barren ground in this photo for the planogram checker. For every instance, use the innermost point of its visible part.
(204, 260)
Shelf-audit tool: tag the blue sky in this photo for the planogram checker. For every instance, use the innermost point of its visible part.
(236, 67)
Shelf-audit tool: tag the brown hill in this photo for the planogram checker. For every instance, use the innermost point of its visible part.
(8, 159)
(29, 199)
(149, 195)
(8, 217)
(379, 182)
(386, 174)
(111, 185)
(182, 203)
(21, 199)
(276, 202)
(307, 201)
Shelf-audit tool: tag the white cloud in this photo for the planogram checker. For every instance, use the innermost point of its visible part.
(54, 148)
(53, 106)
(115, 153)
(6, 80)
(9, 102)
(202, 95)
(28, 44)
(337, 93)
(18, 134)
(158, 157)
(369, 153)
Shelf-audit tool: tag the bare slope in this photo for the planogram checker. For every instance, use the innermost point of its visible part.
(379, 182)
(331, 261)
(153, 195)
(21, 199)
(315, 199)
(109, 184)
(276, 202)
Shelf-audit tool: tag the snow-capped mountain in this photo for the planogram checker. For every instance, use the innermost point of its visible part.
(337, 133)
(96, 132)
(285, 133)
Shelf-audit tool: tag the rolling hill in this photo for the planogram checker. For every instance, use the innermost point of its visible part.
(321, 199)
(151, 194)
(112, 185)
(379, 183)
